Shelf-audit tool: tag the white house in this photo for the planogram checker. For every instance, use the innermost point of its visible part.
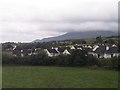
(51, 52)
(66, 52)
(103, 51)
(72, 47)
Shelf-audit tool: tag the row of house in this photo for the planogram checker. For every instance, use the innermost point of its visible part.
(17, 51)
(100, 51)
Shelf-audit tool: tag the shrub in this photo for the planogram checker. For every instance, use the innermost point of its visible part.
(91, 61)
(115, 63)
(106, 63)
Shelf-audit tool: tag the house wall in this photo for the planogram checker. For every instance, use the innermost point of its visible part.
(66, 52)
(116, 54)
(98, 55)
(47, 52)
(72, 47)
(51, 54)
(29, 54)
(94, 54)
(107, 55)
(101, 55)
(22, 55)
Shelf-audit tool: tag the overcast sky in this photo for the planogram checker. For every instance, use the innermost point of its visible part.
(26, 20)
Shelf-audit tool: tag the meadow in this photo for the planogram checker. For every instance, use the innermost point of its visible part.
(0, 77)
(57, 77)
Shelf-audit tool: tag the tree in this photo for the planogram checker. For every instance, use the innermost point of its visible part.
(92, 61)
(99, 39)
(39, 59)
(116, 62)
(78, 58)
(119, 45)
(111, 41)
(83, 42)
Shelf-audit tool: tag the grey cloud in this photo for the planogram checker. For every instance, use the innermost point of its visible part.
(40, 19)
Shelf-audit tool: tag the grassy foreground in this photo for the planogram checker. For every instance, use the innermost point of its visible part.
(57, 77)
(0, 77)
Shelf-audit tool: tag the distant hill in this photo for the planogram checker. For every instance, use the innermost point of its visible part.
(78, 35)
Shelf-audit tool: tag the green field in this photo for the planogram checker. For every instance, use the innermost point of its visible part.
(57, 77)
(0, 77)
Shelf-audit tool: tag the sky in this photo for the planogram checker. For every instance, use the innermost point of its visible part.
(27, 20)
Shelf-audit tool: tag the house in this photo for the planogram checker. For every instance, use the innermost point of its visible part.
(36, 50)
(51, 52)
(64, 50)
(103, 51)
(78, 47)
(14, 47)
(99, 51)
(111, 52)
(88, 49)
(29, 52)
(72, 47)
(16, 53)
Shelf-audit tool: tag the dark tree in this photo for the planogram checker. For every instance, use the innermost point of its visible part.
(99, 39)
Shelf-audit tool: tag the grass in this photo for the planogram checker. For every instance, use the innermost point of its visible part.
(0, 77)
(57, 77)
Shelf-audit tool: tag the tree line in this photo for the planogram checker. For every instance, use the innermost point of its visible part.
(78, 58)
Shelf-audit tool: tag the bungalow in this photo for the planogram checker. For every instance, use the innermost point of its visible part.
(99, 51)
(72, 47)
(88, 49)
(111, 52)
(16, 53)
(51, 52)
(78, 47)
(64, 50)
(36, 50)
(29, 52)
(103, 51)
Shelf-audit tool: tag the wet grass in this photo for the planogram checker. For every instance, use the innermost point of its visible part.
(57, 77)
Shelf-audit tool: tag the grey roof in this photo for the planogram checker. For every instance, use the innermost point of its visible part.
(112, 50)
(52, 50)
(78, 46)
(88, 49)
(61, 49)
(102, 50)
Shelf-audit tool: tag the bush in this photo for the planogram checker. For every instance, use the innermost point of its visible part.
(112, 63)
(39, 59)
(115, 63)
(6, 58)
(62, 60)
(91, 61)
(77, 58)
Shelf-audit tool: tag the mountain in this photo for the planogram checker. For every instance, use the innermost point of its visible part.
(78, 35)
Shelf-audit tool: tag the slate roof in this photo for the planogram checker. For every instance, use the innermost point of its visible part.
(88, 49)
(16, 52)
(112, 50)
(102, 49)
(52, 50)
(61, 49)
(76, 47)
